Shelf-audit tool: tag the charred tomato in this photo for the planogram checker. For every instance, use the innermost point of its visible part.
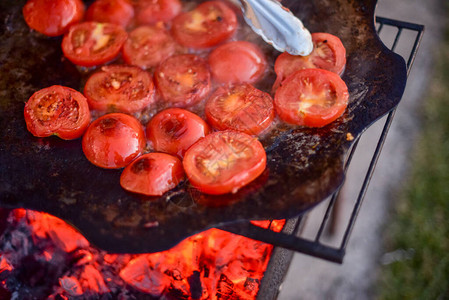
(224, 161)
(240, 107)
(113, 141)
(52, 17)
(209, 24)
(90, 43)
(152, 11)
(119, 88)
(152, 174)
(147, 46)
(328, 53)
(118, 12)
(311, 97)
(174, 130)
(182, 80)
(57, 110)
(237, 62)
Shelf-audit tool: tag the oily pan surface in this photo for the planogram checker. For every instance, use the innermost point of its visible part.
(304, 166)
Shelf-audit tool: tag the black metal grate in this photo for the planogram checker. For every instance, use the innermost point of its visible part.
(288, 238)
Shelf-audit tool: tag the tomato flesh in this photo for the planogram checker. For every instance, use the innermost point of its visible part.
(118, 12)
(57, 110)
(183, 80)
(152, 11)
(119, 88)
(174, 130)
(224, 161)
(152, 174)
(241, 107)
(90, 43)
(147, 46)
(209, 24)
(328, 54)
(113, 141)
(52, 17)
(311, 97)
(237, 62)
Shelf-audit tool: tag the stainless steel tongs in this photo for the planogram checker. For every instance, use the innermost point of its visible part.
(277, 26)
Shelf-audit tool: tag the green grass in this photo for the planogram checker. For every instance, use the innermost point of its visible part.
(420, 223)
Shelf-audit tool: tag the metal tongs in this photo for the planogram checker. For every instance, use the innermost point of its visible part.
(277, 26)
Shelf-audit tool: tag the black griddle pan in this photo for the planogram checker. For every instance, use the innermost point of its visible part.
(304, 165)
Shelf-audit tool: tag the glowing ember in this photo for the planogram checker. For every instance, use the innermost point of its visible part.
(42, 256)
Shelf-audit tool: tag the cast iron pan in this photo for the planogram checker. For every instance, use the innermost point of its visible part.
(304, 165)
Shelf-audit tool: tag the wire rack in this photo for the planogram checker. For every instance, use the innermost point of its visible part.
(288, 238)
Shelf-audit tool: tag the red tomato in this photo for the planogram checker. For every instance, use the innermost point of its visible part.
(52, 17)
(183, 80)
(242, 107)
(147, 46)
(57, 110)
(210, 23)
(311, 97)
(153, 11)
(224, 161)
(152, 174)
(174, 130)
(236, 62)
(118, 12)
(89, 44)
(113, 141)
(328, 54)
(119, 88)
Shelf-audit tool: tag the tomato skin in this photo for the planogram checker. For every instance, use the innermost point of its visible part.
(209, 24)
(52, 17)
(57, 110)
(240, 107)
(152, 11)
(118, 12)
(152, 174)
(183, 80)
(147, 46)
(119, 88)
(311, 97)
(224, 161)
(174, 130)
(237, 62)
(328, 53)
(113, 141)
(90, 43)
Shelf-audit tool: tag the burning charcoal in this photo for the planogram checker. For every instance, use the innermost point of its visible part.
(225, 288)
(92, 280)
(81, 257)
(71, 286)
(196, 289)
(139, 274)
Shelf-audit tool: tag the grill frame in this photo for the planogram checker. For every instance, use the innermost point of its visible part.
(288, 238)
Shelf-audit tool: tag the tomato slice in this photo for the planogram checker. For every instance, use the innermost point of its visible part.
(113, 141)
(57, 110)
(118, 12)
(174, 130)
(311, 97)
(90, 43)
(328, 54)
(224, 161)
(119, 88)
(147, 46)
(209, 24)
(52, 17)
(152, 174)
(237, 62)
(152, 11)
(183, 80)
(241, 107)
